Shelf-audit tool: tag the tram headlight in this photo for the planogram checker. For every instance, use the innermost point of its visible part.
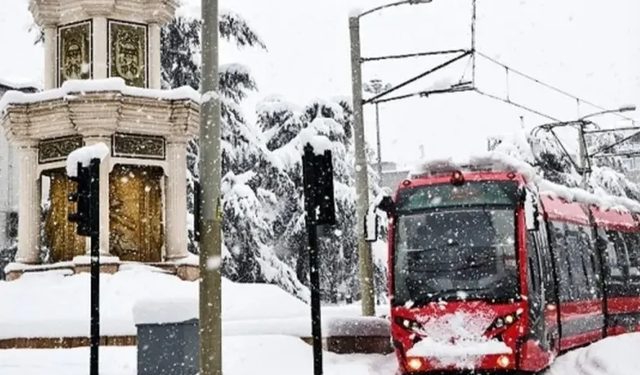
(505, 321)
(408, 324)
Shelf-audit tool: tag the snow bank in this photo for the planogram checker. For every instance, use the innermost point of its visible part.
(58, 304)
(84, 155)
(279, 355)
(241, 302)
(71, 87)
(616, 355)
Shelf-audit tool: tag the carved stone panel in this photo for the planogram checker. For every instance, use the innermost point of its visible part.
(128, 52)
(136, 227)
(138, 146)
(51, 150)
(74, 52)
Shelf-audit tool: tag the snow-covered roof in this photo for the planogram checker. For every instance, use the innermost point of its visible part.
(19, 84)
(97, 85)
(501, 162)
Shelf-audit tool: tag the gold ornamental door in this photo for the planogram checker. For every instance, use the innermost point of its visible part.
(64, 243)
(136, 220)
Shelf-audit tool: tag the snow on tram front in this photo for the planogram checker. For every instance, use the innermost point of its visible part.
(458, 276)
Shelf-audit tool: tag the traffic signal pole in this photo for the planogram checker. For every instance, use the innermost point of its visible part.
(94, 219)
(87, 219)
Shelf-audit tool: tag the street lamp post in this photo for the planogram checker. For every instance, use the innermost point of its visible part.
(365, 264)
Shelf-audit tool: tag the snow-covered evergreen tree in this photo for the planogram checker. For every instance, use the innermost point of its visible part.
(248, 199)
(544, 153)
(286, 129)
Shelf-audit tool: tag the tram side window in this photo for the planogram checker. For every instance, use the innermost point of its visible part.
(575, 250)
(559, 247)
(620, 251)
(533, 270)
(589, 264)
(610, 257)
(547, 267)
(633, 249)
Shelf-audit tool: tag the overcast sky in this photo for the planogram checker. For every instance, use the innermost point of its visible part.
(586, 47)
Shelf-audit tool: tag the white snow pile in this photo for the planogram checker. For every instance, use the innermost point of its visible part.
(269, 355)
(70, 89)
(58, 306)
(84, 155)
(314, 135)
(616, 355)
(467, 333)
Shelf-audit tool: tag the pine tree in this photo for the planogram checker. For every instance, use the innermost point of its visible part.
(543, 152)
(338, 251)
(248, 198)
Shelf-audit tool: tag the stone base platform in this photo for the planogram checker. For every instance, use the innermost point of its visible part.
(186, 269)
(64, 342)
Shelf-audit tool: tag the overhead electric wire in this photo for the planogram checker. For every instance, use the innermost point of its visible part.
(556, 89)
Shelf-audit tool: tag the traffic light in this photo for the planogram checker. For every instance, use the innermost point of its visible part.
(87, 198)
(317, 173)
(81, 197)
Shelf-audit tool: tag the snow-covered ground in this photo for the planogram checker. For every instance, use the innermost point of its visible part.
(284, 355)
(53, 304)
(281, 355)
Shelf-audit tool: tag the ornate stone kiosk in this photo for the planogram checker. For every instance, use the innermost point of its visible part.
(102, 84)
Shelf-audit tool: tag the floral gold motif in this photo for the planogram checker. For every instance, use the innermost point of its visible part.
(57, 149)
(138, 146)
(128, 52)
(74, 51)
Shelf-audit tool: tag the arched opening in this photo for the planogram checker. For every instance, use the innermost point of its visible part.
(136, 213)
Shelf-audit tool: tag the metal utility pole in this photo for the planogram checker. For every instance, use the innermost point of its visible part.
(365, 263)
(375, 86)
(378, 143)
(210, 195)
(585, 166)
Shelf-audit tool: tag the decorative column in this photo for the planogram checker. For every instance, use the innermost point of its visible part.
(100, 48)
(28, 204)
(105, 169)
(176, 198)
(50, 53)
(155, 64)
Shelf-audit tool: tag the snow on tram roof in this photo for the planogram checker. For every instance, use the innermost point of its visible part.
(496, 161)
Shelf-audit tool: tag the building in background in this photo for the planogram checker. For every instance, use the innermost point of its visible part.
(9, 176)
(392, 175)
